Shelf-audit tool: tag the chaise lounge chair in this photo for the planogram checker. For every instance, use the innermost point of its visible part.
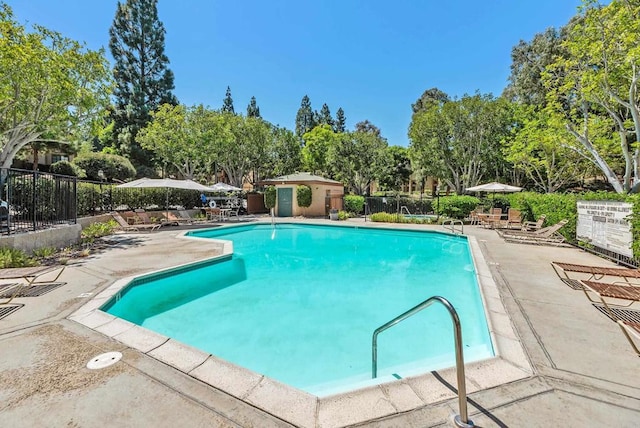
(31, 277)
(133, 227)
(592, 272)
(532, 226)
(545, 236)
(618, 290)
(631, 329)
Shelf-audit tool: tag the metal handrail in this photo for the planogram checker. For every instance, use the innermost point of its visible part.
(405, 208)
(461, 420)
(451, 225)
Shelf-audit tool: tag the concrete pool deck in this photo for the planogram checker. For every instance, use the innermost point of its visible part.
(582, 370)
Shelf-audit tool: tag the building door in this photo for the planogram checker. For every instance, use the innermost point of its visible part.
(285, 202)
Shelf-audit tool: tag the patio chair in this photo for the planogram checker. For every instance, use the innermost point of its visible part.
(631, 330)
(31, 277)
(597, 273)
(532, 226)
(133, 227)
(514, 219)
(545, 236)
(185, 216)
(143, 216)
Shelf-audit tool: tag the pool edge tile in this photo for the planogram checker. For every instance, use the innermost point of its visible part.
(183, 357)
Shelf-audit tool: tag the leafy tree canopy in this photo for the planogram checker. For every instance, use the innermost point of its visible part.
(52, 88)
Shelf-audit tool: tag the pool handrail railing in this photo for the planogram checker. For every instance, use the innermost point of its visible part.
(461, 420)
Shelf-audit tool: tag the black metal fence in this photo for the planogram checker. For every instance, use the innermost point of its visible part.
(36, 200)
(393, 205)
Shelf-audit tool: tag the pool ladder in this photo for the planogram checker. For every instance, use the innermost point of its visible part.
(451, 225)
(461, 420)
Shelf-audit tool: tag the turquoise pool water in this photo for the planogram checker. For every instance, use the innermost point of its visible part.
(300, 303)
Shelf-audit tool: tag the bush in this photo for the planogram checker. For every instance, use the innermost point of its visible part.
(97, 230)
(270, 197)
(354, 204)
(303, 196)
(13, 257)
(67, 168)
(343, 215)
(112, 166)
(458, 207)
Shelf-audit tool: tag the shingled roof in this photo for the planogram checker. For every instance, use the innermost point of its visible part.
(300, 177)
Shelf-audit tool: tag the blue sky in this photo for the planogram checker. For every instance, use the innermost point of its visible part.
(373, 58)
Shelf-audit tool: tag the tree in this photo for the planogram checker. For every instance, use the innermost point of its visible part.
(595, 88)
(52, 87)
(459, 141)
(285, 154)
(304, 117)
(318, 143)
(227, 103)
(528, 62)
(252, 109)
(430, 97)
(540, 149)
(395, 167)
(324, 118)
(368, 128)
(340, 124)
(143, 78)
(356, 158)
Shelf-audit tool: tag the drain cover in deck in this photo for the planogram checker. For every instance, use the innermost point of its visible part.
(104, 360)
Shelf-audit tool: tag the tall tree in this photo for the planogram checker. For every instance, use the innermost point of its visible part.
(325, 116)
(51, 89)
(252, 109)
(227, 103)
(459, 141)
(356, 159)
(368, 128)
(430, 97)
(304, 117)
(143, 78)
(596, 88)
(318, 143)
(340, 124)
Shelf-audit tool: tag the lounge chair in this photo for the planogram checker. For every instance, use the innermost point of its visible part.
(532, 226)
(545, 236)
(184, 214)
(630, 294)
(592, 272)
(631, 329)
(133, 227)
(31, 277)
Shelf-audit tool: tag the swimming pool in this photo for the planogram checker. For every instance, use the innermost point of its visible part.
(299, 303)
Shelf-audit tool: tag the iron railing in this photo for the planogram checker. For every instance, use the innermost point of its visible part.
(36, 200)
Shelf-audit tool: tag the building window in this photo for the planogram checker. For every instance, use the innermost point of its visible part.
(58, 158)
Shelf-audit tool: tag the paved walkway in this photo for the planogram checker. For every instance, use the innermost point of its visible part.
(584, 370)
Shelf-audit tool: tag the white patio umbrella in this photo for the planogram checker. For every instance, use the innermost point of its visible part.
(168, 183)
(224, 187)
(494, 187)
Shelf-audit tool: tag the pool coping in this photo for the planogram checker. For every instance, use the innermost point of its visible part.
(302, 408)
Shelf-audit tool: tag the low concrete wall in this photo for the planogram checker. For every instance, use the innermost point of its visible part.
(86, 221)
(58, 237)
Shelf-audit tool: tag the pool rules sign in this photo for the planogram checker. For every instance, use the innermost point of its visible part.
(604, 224)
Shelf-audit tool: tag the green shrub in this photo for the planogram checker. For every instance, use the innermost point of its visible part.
(98, 229)
(343, 215)
(303, 196)
(270, 197)
(112, 166)
(13, 257)
(44, 252)
(354, 204)
(458, 206)
(67, 168)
